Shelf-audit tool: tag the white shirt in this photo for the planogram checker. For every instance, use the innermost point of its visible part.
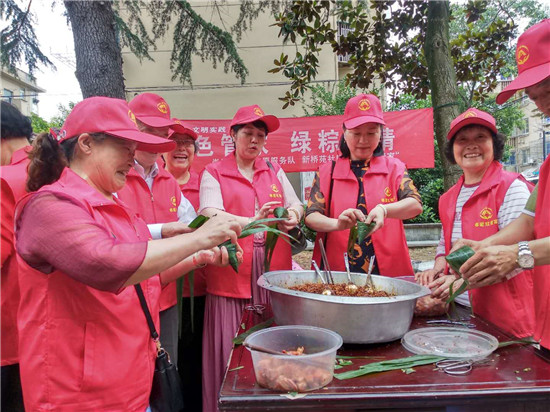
(186, 213)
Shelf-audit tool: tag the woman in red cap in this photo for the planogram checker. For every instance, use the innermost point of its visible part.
(527, 238)
(245, 187)
(179, 162)
(484, 200)
(83, 337)
(364, 185)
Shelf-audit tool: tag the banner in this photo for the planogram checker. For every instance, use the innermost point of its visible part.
(304, 143)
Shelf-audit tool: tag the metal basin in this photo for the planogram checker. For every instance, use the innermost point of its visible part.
(356, 319)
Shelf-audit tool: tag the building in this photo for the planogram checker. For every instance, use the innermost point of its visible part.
(20, 89)
(217, 95)
(530, 143)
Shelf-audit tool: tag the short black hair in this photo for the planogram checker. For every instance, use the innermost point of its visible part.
(346, 154)
(14, 123)
(258, 124)
(498, 144)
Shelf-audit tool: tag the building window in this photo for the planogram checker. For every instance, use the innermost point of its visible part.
(523, 129)
(512, 158)
(525, 156)
(22, 94)
(7, 96)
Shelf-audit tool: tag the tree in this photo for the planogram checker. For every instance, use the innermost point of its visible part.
(101, 28)
(40, 125)
(406, 44)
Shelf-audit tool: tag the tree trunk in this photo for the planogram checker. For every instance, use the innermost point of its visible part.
(442, 76)
(98, 55)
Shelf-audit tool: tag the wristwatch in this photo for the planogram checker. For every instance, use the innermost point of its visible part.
(525, 259)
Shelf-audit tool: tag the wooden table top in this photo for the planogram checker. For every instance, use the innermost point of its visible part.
(515, 378)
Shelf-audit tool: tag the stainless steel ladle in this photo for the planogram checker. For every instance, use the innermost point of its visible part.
(351, 287)
(327, 291)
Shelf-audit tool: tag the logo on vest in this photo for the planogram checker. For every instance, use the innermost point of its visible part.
(389, 196)
(132, 116)
(174, 203)
(522, 54)
(275, 193)
(470, 113)
(487, 215)
(364, 104)
(258, 112)
(163, 107)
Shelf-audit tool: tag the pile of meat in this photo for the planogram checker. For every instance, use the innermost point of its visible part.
(340, 290)
(292, 375)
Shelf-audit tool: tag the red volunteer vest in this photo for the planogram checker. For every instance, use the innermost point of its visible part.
(541, 277)
(82, 348)
(381, 183)
(158, 205)
(13, 178)
(191, 192)
(509, 305)
(239, 197)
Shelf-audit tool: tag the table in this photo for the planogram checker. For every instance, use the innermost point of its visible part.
(516, 379)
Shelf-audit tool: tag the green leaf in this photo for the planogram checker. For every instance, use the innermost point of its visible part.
(389, 365)
(198, 222)
(459, 257)
(239, 339)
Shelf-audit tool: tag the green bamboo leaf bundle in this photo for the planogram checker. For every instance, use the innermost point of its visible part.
(389, 365)
(252, 228)
(358, 233)
(272, 237)
(459, 257)
(455, 261)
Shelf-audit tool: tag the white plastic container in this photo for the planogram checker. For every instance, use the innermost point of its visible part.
(294, 373)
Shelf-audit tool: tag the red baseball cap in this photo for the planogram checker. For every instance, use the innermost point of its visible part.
(113, 117)
(152, 110)
(361, 109)
(472, 116)
(179, 127)
(532, 58)
(250, 114)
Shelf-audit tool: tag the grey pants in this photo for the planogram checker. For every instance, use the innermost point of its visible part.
(169, 332)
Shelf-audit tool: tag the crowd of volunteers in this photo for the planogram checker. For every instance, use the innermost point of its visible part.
(95, 218)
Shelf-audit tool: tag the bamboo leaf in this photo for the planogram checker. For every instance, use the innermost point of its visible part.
(389, 365)
(198, 222)
(458, 257)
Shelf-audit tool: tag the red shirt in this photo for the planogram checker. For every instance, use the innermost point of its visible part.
(13, 178)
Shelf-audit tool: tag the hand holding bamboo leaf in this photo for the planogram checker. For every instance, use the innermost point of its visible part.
(455, 261)
(348, 218)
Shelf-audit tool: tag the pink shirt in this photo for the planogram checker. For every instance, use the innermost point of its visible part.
(55, 233)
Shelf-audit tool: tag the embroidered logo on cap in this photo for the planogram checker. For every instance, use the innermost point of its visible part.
(364, 104)
(470, 113)
(522, 54)
(132, 116)
(163, 107)
(60, 135)
(258, 112)
(486, 213)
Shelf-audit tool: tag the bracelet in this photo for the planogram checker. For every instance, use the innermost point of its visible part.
(195, 263)
(291, 209)
(384, 209)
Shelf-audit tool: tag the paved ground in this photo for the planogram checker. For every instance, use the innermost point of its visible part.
(422, 254)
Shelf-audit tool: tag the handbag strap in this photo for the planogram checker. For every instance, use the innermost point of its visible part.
(148, 316)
